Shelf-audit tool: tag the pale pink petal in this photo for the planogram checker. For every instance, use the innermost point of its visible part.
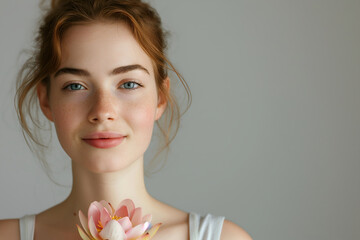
(122, 212)
(137, 231)
(94, 212)
(113, 231)
(92, 228)
(147, 218)
(104, 203)
(105, 216)
(83, 235)
(129, 204)
(107, 206)
(97, 204)
(83, 221)
(125, 223)
(136, 218)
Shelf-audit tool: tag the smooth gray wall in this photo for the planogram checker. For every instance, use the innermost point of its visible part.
(272, 138)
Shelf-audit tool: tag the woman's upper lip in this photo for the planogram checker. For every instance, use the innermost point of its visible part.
(97, 135)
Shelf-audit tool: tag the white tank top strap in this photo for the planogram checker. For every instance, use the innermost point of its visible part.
(205, 227)
(27, 227)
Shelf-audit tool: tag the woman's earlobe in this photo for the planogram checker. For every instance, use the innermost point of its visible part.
(44, 101)
(162, 99)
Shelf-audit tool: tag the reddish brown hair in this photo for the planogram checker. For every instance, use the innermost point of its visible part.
(146, 27)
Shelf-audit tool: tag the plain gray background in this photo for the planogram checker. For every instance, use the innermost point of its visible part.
(272, 139)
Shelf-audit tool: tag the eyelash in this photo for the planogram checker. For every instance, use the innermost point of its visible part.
(68, 87)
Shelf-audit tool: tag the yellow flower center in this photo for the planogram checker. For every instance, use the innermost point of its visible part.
(116, 218)
(99, 226)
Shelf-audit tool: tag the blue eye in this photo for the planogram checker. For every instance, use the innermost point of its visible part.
(130, 85)
(74, 87)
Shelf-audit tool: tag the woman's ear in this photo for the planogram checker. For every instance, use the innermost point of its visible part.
(42, 95)
(162, 99)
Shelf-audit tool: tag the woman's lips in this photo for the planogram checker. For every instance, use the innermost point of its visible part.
(104, 139)
(104, 142)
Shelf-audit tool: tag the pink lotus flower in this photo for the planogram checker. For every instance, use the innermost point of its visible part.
(125, 223)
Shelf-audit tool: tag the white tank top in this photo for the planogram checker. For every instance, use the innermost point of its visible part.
(201, 227)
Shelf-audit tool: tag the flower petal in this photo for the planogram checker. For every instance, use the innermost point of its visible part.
(137, 231)
(122, 212)
(154, 229)
(84, 222)
(130, 206)
(105, 216)
(83, 235)
(125, 223)
(94, 212)
(136, 218)
(147, 218)
(113, 231)
(107, 206)
(92, 228)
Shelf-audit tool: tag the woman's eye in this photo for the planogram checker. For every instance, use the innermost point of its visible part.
(130, 85)
(74, 87)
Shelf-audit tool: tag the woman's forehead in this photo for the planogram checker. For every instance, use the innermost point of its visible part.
(102, 46)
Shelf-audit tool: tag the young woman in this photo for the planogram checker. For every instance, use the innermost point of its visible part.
(100, 76)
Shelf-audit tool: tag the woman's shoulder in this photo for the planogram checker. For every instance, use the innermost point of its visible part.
(231, 231)
(10, 229)
(177, 223)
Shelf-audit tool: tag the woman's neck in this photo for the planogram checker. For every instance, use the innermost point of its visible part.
(112, 187)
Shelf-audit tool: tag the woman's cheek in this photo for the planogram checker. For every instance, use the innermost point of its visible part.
(144, 118)
(66, 120)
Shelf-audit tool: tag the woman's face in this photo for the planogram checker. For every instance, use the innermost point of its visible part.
(103, 99)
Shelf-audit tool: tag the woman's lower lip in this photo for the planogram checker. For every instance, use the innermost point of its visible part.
(104, 142)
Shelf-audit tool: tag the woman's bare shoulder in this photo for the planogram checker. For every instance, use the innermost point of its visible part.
(9, 228)
(231, 231)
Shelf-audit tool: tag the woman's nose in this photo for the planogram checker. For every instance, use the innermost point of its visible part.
(103, 107)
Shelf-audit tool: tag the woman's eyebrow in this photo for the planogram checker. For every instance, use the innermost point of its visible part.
(82, 72)
(128, 68)
(73, 71)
